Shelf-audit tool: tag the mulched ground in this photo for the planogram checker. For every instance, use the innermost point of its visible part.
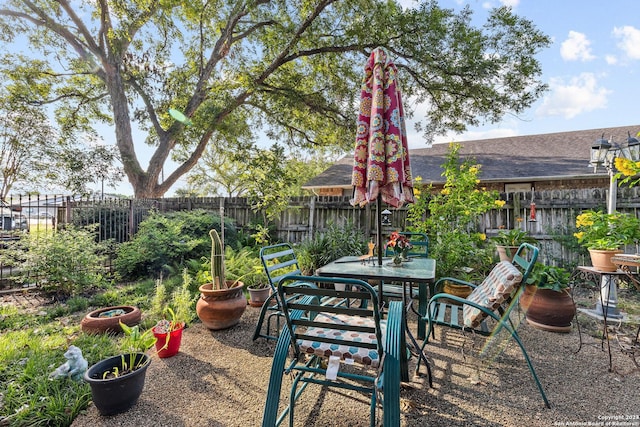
(220, 379)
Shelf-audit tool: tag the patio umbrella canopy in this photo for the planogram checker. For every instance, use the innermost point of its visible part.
(381, 167)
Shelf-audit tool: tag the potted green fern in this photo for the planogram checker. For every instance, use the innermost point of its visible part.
(222, 302)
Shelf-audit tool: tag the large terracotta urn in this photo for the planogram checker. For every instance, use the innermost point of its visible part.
(221, 308)
(601, 259)
(548, 309)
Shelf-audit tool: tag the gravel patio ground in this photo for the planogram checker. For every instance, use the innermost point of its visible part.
(220, 379)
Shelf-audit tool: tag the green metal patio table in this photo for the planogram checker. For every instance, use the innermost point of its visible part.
(421, 271)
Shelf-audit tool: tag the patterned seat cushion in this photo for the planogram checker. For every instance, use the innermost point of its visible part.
(492, 292)
(361, 355)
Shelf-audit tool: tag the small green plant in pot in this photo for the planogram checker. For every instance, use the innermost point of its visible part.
(222, 302)
(508, 241)
(176, 312)
(117, 382)
(546, 300)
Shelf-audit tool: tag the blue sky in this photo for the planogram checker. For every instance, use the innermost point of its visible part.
(592, 67)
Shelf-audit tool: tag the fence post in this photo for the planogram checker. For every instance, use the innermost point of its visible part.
(131, 219)
(312, 209)
(221, 199)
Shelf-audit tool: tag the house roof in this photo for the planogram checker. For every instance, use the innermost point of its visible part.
(550, 156)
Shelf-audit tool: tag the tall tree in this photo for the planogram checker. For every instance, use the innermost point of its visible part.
(291, 69)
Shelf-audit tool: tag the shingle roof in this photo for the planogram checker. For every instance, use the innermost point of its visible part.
(550, 156)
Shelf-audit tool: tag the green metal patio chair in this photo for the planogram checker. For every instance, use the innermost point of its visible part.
(494, 298)
(278, 261)
(319, 337)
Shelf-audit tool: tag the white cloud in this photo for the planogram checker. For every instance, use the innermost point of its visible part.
(629, 40)
(576, 48)
(580, 95)
(611, 59)
(512, 3)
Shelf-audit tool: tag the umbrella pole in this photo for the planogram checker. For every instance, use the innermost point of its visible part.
(379, 227)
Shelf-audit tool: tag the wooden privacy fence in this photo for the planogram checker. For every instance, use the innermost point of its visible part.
(555, 213)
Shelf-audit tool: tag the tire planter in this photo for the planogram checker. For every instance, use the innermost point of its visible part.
(221, 309)
(116, 395)
(173, 346)
(547, 309)
(93, 324)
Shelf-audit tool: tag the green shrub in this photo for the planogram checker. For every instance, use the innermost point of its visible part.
(65, 263)
(326, 247)
(164, 241)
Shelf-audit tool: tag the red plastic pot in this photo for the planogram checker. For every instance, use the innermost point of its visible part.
(173, 346)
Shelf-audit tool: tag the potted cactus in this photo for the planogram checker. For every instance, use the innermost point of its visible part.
(222, 302)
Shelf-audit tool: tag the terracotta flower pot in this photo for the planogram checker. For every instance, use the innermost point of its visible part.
(221, 309)
(456, 289)
(257, 296)
(506, 253)
(547, 309)
(601, 259)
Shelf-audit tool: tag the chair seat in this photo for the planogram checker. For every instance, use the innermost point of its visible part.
(344, 351)
(395, 290)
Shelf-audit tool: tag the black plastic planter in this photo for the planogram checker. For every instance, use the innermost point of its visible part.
(116, 395)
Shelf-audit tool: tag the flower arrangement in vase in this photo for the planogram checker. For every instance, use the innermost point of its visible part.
(400, 245)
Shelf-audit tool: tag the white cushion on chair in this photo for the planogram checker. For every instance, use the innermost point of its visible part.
(492, 292)
(361, 355)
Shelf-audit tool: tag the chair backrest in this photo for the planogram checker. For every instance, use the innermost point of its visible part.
(278, 261)
(503, 283)
(420, 242)
(525, 259)
(348, 332)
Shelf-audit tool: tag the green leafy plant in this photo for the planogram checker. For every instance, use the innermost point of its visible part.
(603, 231)
(174, 310)
(549, 277)
(449, 217)
(513, 237)
(134, 341)
(64, 263)
(325, 247)
(167, 241)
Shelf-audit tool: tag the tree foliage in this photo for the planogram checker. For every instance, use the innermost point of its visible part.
(238, 69)
(24, 144)
(450, 218)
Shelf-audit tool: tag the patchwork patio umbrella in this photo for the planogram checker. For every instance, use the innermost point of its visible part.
(381, 167)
